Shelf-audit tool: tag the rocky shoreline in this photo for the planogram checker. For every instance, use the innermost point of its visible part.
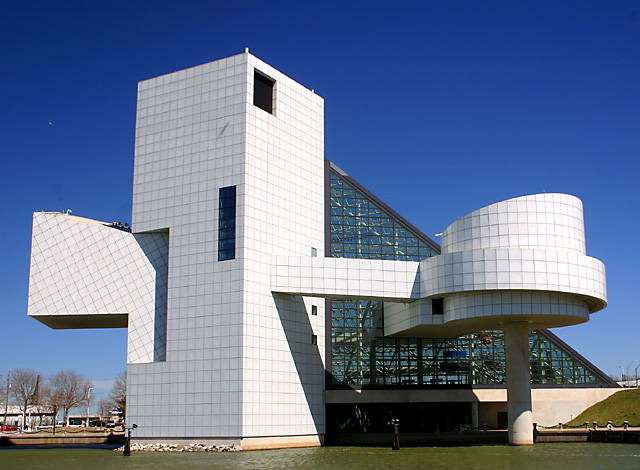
(176, 448)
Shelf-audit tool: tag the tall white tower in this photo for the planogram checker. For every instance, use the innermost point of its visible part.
(229, 162)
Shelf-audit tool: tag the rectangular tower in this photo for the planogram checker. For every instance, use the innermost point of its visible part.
(229, 161)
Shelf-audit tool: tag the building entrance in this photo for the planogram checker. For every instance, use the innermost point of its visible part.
(347, 418)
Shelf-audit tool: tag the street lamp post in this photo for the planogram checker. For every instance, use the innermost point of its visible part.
(6, 403)
(127, 440)
(629, 368)
(88, 403)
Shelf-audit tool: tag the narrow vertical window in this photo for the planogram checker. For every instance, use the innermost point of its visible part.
(227, 224)
(437, 306)
(263, 92)
(314, 310)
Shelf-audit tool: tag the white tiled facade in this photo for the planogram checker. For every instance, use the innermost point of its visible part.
(547, 221)
(234, 350)
(85, 273)
(236, 366)
(521, 259)
(346, 278)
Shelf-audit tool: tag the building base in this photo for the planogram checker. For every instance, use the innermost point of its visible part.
(245, 443)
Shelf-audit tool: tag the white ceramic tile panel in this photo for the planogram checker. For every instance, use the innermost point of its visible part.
(190, 142)
(507, 304)
(403, 316)
(539, 221)
(233, 349)
(82, 266)
(515, 269)
(510, 251)
(283, 215)
(489, 269)
(346, 278)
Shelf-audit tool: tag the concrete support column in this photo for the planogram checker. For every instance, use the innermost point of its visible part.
(516, 343)
(474, 415)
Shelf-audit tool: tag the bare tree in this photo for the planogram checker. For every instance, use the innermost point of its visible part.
(104, 408)
(44, 407)
(24, 389)
(119, 393)
(52, 398)
(69, 389)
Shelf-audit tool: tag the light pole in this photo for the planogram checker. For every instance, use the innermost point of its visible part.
(88, 402)
(629, 368)
(127, 440)
(6, 403)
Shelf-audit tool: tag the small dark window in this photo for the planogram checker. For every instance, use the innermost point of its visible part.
(314, 339)
(263, 92)
(314, 310)
(437, 307)
(227, 224)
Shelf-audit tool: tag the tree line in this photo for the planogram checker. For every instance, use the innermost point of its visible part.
(46, 396)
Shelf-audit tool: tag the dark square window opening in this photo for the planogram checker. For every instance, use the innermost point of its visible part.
(263, 92)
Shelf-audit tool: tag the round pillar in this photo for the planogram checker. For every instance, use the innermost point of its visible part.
(516, 343)
(474, 415)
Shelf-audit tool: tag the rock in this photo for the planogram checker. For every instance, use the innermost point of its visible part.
(193, 447)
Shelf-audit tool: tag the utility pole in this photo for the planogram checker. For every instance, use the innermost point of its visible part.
(35, 399)
(6, 403)
(88, 403)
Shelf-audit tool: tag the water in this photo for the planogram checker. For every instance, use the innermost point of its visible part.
(566, 456)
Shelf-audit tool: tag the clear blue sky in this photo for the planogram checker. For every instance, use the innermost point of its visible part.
(439, 108)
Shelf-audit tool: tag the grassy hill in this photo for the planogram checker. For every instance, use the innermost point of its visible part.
(619, 407)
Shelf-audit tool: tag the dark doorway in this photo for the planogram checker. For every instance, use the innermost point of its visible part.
(503, 420)
(347, 418)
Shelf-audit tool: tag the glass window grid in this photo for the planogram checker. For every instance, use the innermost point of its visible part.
(477, 359)
(227, 223)
(361, 229)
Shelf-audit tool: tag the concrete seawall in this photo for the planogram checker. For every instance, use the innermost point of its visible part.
(407, 439)
(47, 439)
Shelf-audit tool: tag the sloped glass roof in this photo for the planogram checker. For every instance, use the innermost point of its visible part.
(360, 228)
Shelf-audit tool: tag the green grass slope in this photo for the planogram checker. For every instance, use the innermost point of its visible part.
(618, 408)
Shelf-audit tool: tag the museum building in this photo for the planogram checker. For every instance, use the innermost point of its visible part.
(272, 301)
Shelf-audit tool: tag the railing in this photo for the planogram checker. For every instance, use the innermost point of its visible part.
(588, 425)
